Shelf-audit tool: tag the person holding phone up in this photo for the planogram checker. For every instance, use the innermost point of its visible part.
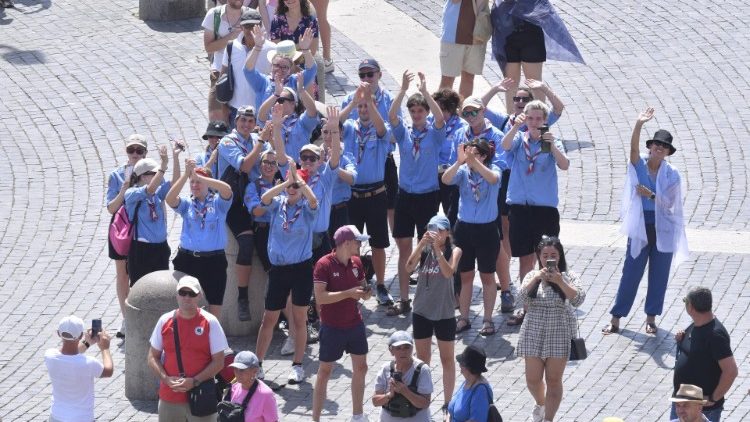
(549, 294)
(653, 221)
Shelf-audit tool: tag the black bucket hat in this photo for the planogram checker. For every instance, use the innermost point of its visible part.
(664, 137)
(474, 359)
(216, 128)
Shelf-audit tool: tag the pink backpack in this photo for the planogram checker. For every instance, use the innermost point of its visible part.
(121, 230)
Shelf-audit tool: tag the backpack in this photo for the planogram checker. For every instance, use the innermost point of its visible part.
(232, 412)
(493, 415)
(121, 229)
(399, 406)
(237, 180)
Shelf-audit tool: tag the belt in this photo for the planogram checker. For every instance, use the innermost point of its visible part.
(360, 195)
(201, 254)
(339, 206)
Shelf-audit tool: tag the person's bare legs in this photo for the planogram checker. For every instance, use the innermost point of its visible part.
(534, 71)
(535, 379)
(321, 386)
(466, 87)
(122, 283)
(503, 266)
(447, 82)
(513, 71)
(391, 215)
(300, 335)
(359, 371)
(404, 251)
(378, 264)
(448, 362)
(321, 9)
(553, 374)
(464, 299)
(289, 314)
(265, 333)
(489, 294)
(525, 265)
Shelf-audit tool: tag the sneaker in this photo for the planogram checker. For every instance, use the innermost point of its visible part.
(312, 334)
(121, 331)
(260, 375)
(288, 347)
(413, 281)
(297, 375)
(537, 415)
(243, 309)
(328, 65)
(507, 302)
(359, 418)
(383, 297)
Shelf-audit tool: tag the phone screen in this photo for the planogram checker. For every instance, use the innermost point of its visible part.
(551, 265)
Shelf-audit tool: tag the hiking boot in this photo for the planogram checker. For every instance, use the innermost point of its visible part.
(243, 309)
(507, 302)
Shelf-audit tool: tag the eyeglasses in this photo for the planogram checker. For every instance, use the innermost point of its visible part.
(190, 293)
(522, 99)
(363, 75)
(135, 150)
(269, 163)
(281, 67)
(282, 100)
(469, 113)
(308, 158)
(294, 185)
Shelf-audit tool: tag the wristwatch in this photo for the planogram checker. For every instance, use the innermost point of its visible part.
(653, 196)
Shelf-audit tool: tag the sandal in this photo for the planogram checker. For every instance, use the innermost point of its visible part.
(462, 328)
(488, 329)
(399, 308)
(651, 328)
(610, 329)
(517, 319)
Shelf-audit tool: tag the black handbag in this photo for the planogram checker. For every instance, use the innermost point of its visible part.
(225, 83)
(233, 412)
(578, 346)
(203, 397)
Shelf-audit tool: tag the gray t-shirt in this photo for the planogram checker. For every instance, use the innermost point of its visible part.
(434, 297)
(424, 386)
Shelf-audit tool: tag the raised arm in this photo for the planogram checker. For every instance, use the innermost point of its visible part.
(305, 97)
(118, 200)
(260, 38)
(173, 196)
(159, 177)
(539, 86)
(177, 147)
(375, 117)
(305, 44)
(265, 108)
(450, 173)
(478, 166)
(225, 191)
(501, 87)
(213, 45)
(264, 17)
(332, 125)
(562, 161)
(406, 78)
(267, 197)
(508, 138)
(635, 139)
(277, 117)
(347, 110)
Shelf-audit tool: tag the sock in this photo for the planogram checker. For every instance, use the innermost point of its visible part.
(242, 292)
(296, 363)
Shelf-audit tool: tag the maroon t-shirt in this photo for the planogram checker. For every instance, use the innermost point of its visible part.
(339, 277)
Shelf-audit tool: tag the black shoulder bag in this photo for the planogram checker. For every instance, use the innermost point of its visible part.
(202, 398)
(225, 83)
(399, 406)
(233, 412)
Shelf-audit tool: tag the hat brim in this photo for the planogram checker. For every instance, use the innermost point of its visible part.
(238, 365)
(213, 133)
(401, 343)
(135, 143)
(362, 237)
(461, 359)
(272, 53)
(684, 400)
(250, 22)
(672, 149)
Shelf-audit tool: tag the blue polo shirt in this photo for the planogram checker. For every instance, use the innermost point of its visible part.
(292, 246)
(538, 187)
(203, 223)
(201, 160)
(477, 201)
(491, 134)
(296, 134)
(447, 152)
(114, 184)
(321, 184)
(419, 175)
(263, 85)
(342, 191)
(641, 170)
(370, 160)
(501, 121)
(150, 230)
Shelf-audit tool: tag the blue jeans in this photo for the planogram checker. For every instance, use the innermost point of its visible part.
(713, 415)
(632, 272)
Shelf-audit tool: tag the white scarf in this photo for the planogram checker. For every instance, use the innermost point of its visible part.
(670, 223)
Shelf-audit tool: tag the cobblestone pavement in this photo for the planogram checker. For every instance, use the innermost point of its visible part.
(78, 77)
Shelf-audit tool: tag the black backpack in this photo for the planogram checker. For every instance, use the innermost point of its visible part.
(233, 412)
(493, 415)
(399, 406)
(236, 179)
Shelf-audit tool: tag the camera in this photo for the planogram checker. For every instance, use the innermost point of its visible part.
(397, 377)
(545, 145)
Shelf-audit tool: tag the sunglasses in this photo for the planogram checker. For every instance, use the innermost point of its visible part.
(281, 67)
(363, 75)
(522, 99)
(190, 293)
(269, 163)
(308, 158)
(471, 113)
(149, 173)
(294, 185)
(282, 100)
(135, 150)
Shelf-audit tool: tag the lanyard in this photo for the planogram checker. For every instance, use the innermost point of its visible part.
(152, 208)
(451, 125)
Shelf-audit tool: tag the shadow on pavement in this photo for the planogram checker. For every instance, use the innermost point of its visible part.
(15, 56)
(176, 27)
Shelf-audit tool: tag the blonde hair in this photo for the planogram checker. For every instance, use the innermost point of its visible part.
(537, 105)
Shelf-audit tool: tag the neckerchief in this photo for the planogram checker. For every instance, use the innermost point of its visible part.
(474, 185)
(363, 135)
(287, 125)
(287, 224)
(314, 180)
(527, 150)
(451, 125)
(202, 210)
(416, 138)
(152, 208)
(470, 134)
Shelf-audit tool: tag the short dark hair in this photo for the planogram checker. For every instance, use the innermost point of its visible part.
(447, 99)
(700, 299)
(417, 99)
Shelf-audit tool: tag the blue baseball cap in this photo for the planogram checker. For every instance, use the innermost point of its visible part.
(369, 64)
(440, 221)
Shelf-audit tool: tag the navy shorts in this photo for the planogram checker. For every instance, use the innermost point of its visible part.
(478, 242)
(526, 44)
(211, 272)
(335, 341)
(414, 210)
(528, 223)
(391, 181)
(294, 278)
(373, 213)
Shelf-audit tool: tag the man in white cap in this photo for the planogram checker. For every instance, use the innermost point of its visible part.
(404, 385)
(200, 362)
(339, 283)
(689, 402)
(72, 373)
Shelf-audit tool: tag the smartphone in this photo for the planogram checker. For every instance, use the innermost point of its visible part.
(397, 377)
(551, 265)
(545, 145)
(96, 327)
(366, 286)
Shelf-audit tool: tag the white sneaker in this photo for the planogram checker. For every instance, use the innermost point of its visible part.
(360, 418)
(261, 375)
(297, 375)
(328, 65)
(288, 347)
(537, 415)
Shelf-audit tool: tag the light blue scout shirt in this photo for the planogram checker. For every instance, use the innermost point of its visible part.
(321, 184)
(477, 201)
(201, 160)
(538, 187)
(233, 148)
(150, 229)
(501, 121)
(114, 183)
(264, 87)
(452, 126)
(368, 150)
(203, 222)
(491, 134)
(418, 172)
(342, 191)
(296, 132)
(252, 196)
(293, 244)
(641, 170)
(383, 100)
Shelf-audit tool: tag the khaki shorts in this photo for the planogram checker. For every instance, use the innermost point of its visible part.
(213, 104)
(455, 58)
